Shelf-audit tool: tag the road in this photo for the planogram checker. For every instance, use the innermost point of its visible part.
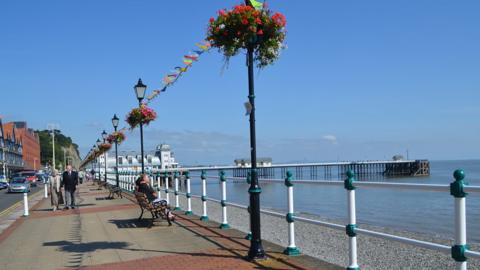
(9, 199)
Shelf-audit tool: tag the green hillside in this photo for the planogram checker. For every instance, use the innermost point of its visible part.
(61, 142)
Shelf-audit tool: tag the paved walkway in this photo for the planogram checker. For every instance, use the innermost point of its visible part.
(105, 234)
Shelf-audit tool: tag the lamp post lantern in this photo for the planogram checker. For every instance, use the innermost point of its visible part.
(115, 121)
(256, 250)
(140, 89)
(105, 136)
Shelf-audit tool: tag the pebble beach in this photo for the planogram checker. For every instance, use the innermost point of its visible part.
(332, 245)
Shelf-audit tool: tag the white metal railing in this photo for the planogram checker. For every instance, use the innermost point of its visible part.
(457, 189)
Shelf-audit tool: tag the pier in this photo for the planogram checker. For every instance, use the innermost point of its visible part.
(338, 170)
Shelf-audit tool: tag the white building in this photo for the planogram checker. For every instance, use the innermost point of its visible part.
(247, 163)
(162, 158)
(167, 161)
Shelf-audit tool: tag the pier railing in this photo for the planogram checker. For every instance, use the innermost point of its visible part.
(167, 181)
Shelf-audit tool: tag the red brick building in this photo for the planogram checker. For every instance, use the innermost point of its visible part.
(30, 144)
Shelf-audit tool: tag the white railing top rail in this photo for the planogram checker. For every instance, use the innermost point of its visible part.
(401, 239)
(412, 186)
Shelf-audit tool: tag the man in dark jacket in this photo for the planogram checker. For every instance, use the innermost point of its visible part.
(70, 182)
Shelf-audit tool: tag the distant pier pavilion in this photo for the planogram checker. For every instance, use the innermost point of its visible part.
(338, 170)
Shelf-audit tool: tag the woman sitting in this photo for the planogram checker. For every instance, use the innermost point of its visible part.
(143, 186)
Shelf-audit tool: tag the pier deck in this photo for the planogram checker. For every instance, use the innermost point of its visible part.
(329, 170)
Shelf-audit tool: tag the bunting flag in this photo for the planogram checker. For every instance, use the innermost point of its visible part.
(154, 94)
(256, 4)
(181, 69)
(187, 61)
(193, 57)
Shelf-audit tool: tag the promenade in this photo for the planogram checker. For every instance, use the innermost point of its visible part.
(105, 234)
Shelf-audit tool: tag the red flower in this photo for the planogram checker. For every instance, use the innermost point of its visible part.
(244, 21)
(258, 21)
(279, 19)
(260, 32)
(212, 20)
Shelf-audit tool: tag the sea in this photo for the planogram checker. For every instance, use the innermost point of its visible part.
(425, 212)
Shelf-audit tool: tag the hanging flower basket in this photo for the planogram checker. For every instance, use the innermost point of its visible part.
(143, 115)
(245, 26)
(104, 147)
(117, 136)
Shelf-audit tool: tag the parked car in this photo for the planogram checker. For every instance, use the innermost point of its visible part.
(29, 175)
(3, 185)
(19, 184)
(3, 179)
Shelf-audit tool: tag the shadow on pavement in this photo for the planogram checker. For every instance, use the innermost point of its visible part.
(68, 246)
(133, 223)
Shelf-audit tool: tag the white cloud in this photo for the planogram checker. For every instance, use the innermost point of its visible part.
(331, 138)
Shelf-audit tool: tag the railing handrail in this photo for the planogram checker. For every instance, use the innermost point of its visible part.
(419, 243)
(394, 185)
(457, 189)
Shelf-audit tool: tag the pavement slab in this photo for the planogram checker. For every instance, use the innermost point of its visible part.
(106, 234)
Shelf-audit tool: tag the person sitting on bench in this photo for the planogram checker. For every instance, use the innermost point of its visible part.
(143, 186)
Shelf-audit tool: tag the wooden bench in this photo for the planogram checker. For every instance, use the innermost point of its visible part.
(101, 184)
(157, 210)
(114, 190)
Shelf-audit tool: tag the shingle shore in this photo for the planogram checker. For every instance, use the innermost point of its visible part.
(332, 245)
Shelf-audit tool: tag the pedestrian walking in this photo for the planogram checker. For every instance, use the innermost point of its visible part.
(70, 182)
(81, 175)
(56, 197)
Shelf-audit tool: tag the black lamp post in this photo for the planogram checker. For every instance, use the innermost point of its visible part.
(115, 121)
(105, 136)
(140, 89)
(256, 249)
(99, 169)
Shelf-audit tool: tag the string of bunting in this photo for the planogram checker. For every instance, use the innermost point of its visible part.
(173, 76)
(168, 80)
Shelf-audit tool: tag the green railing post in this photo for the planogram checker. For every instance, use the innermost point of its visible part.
(203, 176)
(350, 228)
(177, 202)
(223, 180)
(292, 249)
(189, 196)
(457, 191)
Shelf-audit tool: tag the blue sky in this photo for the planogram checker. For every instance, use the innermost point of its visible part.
(359, 80)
